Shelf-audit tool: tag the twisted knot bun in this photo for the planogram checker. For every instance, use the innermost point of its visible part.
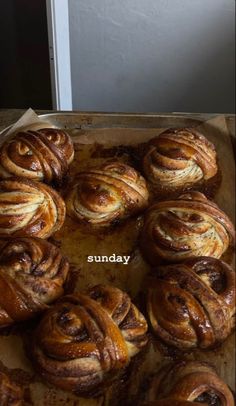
(84, 340)
(32, 274)
(193, 304)
(10, 393)
(191, 225)
(189, 383)
(42, 155)
(109, 192)
(29, 208)
(178, 159)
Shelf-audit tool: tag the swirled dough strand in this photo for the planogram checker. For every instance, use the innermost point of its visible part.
(192, 304)
(32, 275)
(29, 208)
(86, 339)
(106, 193)
(179, 159)
(42, 155)
(190, 225)
(186, 383)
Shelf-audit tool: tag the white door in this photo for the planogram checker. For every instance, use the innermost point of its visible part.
(59, 51)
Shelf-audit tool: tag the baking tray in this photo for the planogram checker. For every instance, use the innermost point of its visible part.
(96, 137)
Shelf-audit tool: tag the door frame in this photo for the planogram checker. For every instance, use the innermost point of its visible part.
(59, 53)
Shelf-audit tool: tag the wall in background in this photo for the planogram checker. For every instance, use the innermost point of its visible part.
(153, 55)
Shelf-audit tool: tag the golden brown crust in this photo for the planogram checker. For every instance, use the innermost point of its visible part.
(29, 208)
(193, 304)
(189, 381)
(179, 159)
(107, 193)
(190, 225)
(41, 155)
(85, 340)
(10, 393)
(32, 274)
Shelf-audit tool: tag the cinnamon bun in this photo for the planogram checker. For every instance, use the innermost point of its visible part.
(107, 193)
(179, 159)
(83, 342)
(192, 304)
(42, 155)
(190, 225)
(188, 383)
(29, 208)
(32, 275)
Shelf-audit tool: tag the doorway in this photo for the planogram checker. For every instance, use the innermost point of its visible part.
(25, 64)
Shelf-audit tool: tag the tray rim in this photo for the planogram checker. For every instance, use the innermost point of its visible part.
(90, 114)
(197, 117)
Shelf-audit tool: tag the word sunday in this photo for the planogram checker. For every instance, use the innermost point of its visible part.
(112, 258)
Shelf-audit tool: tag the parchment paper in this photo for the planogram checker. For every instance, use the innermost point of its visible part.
(77, 243)
(29, 121)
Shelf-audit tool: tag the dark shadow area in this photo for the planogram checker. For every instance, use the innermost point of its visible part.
(24, 68)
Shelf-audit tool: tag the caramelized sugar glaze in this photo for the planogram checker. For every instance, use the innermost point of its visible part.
(107, 193)
(188, 383)
(190, 225)
(33, 273)
(42, 155)
(180, 159)
(15, 386)
(177, 160)
(29, 208)
(83, 342)
(121, 238)
(80, 241)
(10, 392)
(192, 304)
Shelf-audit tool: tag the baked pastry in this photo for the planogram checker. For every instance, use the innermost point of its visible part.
(83, 342)
(190, 225)
(188, 383)
(107, 193)
(192, 304)
(42, 155)
(32, 275)
(11, 394)
(29, 208)
(179, 159)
